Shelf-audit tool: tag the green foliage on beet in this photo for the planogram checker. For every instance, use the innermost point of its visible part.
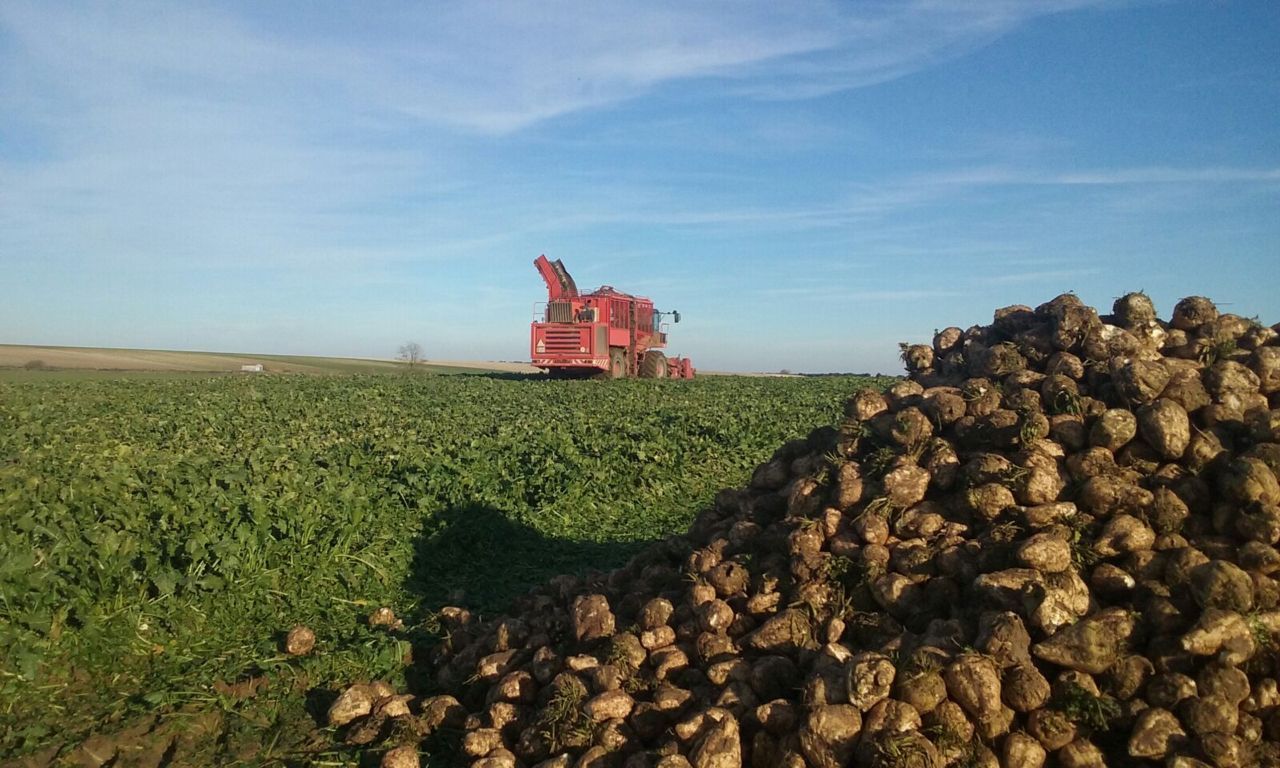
(161, 535)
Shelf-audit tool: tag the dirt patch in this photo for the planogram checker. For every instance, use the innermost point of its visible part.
(36, 358)
(244, 689)
(85, 358)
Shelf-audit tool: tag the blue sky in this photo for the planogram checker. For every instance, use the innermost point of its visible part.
(808, 183)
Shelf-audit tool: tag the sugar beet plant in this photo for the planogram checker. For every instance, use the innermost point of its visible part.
(160, 534)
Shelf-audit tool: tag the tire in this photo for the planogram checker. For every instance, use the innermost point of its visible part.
(617, 363)
(653, 366)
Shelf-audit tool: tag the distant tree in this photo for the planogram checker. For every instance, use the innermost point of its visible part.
(411, 353)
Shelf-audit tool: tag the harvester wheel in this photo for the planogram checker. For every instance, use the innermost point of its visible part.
(617, 363)
(653, 366)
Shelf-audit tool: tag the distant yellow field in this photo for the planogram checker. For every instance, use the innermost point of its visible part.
(18, 356)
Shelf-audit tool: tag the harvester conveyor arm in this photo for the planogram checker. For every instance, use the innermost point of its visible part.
(559, 284)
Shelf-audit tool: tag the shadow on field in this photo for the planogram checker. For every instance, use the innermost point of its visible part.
(507, 376)
(551, 376)
(477, 557)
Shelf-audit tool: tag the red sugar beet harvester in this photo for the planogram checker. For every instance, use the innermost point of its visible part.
(604, 333)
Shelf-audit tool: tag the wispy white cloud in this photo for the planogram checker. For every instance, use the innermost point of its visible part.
(844, 294)
(883, 41)
(1039, 276)
(1002, 176)
(1208, 175)
(497, 67)
(886, 198)
(166, 133)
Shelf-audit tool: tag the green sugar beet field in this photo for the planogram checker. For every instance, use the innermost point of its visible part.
(162, 535)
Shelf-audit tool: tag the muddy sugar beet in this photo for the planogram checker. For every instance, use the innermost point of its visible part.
(1053, 544)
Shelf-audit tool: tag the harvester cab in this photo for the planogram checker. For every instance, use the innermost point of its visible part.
(604, 333)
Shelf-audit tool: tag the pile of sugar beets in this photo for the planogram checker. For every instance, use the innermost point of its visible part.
(1053, 544)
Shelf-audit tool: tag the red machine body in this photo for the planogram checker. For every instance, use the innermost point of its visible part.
(605, 332)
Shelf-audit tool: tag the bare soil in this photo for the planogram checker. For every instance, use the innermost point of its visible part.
(105, 359)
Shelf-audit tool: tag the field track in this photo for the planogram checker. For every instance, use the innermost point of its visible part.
(18, 356)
